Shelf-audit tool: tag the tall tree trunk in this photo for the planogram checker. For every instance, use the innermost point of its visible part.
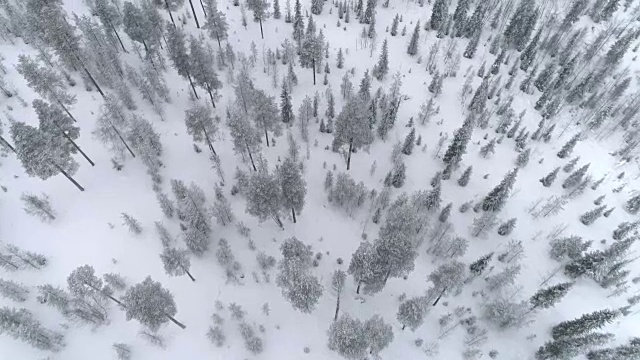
(182, 326)
(77, 147)
(146, 48)
(250, 156)
(95, 83)
(194, 14)
(335, 317)
(219, 44)
(266, 136)
(66, 110)
(313, 69)
(122, 139)
(6, 143)
(166, 3)
(358, 288)
(189, 274)
(439, 297)
(261, 32)
(118, 36)
(349, 156)
(293, 212)
(204, 11)
(68, 177)
(7, 262)
(403, 326)
(206, 136)
(213, 103)
(193, 87)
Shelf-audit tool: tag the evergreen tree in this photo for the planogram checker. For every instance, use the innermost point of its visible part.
(413, 43)
(466, 175)
(575, 177)
(496, 199)
(394, 25)
(521, 24)
(571, 164)
(568, 348)
(438, 14)
(445, 213)
(338, 278)
(294, 188)
(286, 109)
(260, 12)
(489, 148)
(316, 6)
(447, 278)
(584, 324)
(590, 217)
(378, 334)
(347, 338)
(567, 148)
(382, 67)
(623, 229)
(399, 175)
(191, 204)
(177, 48)
(550, 178)
(458, 146)
(22, 325)
(276, 10)
(547, 297)
(340, 59)
(352, 126)
(302, 289)
(200, 125)
(472, 46)
(412, 312)
(477, 267)
(460, 17)
(409, 142)
(41, 154)
(633, 205)
(201, 65)
(265, 113)
(38, 206)
(298, 24)
(264, 197)
(151, 304)
(176, 262)
(507, 227)
(479, 100)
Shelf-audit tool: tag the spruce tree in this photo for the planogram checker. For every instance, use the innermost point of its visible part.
(633, 205)
(382, 67)
(547, 297)
(412, 49)
(438, 14)
(575, 178)
(286, 109)
(590, 217)
(294, 187)
(466, 175)
(571, 164)
(550, 178)
(496, 199)
(458, 146)
(409, 142)
(584, 324)
(316, 6)
(567, 148)
(479, 100)
(477, 267)
(507, 227)
(445, 213)
(394, 25)
(151, 304)
(352, 126)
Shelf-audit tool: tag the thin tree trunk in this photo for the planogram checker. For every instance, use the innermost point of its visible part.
(204, 11)
(213, 103)
(77, 147)
(146, 48)
(68, 177)
(313, 69)
(194, 14)
(261, 32)
(66, 110)
(169, 11)
(439, 297)
(93, 81)
(6, 143)
(182, 326)
(219, 45)
(266, 136)
(293, 212)
(349, 156)
(404, 326)
(7, 262)
(335, 317)
(122, 139)
(206, 136)
(118, 36)
(250, 156)
(189, 274)
(358, 288)
(192, 86)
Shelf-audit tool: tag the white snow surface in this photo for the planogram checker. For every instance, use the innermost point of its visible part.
(89, 228)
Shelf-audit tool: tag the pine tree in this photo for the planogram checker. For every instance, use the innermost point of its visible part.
(338, 278)
(507, 227)
(413, 43)
(201, 65)
(264, 197)
(394, 25)
(382, 67)
(567, 148)
(633, 205)
(447, 278)
(623, 229)
(298, 24)
(412, 312)
(466, 175)
(523, 158)
(293, 187)
(477, 267)
(438, 14)
(298, 286)
(575, 177)
(445, 213)
(458, 146)
(177, 48)
(347, 338)
(22, 325)
(409, 142)
(352, 126)
(200, 125)
(550, 178)
(547, 297)
(496, 199)
(521, 24)
(41, 154)
(151, 304)
(584, 324)
(479, 100)
(286, 109)
(472, 46)
(176, 262)
(568, 348)
(379, 335)
(590, 217)
(340, 59)
(38, 206)
(316, 6)
(571, 164)
(489, 148)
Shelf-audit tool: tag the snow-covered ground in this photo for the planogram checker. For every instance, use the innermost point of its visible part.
(88, 228)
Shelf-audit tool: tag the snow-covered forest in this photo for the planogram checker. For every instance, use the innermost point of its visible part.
(319, 179)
